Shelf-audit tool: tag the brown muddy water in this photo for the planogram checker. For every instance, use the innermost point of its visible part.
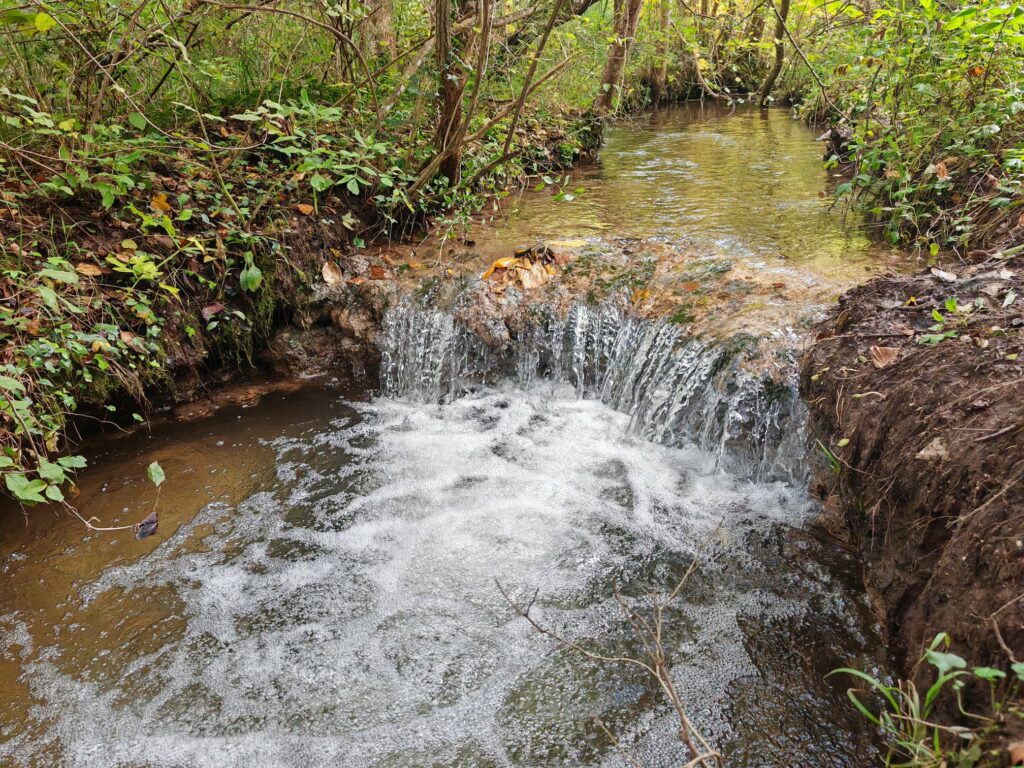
(321, 591)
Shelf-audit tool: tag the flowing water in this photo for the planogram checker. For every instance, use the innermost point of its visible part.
(323, 589)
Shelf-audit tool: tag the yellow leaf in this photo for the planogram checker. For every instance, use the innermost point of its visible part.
(507, 262)
(158, 202)
(415, 265)
(304, 208)
(44, 22)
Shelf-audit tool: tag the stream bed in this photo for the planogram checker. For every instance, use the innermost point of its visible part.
(323, 588)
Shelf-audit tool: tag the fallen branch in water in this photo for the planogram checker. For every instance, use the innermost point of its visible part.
(649, 632)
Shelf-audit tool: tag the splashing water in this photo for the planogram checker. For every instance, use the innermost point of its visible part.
(676, 390)
(347, 613)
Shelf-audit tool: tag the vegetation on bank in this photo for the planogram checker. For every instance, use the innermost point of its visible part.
(162, 161)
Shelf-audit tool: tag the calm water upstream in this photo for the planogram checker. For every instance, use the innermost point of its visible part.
(322, 588)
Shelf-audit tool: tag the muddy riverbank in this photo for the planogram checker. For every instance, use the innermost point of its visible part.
(916, 387)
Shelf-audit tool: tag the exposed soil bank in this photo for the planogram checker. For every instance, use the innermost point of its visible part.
(928, 440)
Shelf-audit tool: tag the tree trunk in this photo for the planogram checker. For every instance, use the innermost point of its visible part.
(659, 75)
(451, 84)
(380, 43)
(782, 11)
(627, 14)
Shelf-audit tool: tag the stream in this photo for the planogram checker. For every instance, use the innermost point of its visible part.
(323, 588)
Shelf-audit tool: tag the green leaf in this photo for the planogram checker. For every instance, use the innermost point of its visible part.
(11, 385)
(1018, 669)
(61, 276)
(72, 462)
(44, 22)
(944, 662)
(155, 473)
(53, 493)
(138, 120)
(26, 490)
(250, 278)
(52, 473)
(989, 673)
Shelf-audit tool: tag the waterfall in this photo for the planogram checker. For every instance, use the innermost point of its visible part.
(676, 389)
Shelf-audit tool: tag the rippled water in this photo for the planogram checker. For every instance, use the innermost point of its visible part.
(334, 603)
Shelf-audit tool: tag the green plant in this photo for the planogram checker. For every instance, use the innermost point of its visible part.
(907, 717)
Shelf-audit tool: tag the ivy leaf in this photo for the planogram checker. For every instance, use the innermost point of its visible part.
(155, 473)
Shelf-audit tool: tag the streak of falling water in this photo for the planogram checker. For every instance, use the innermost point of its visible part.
(676, 390)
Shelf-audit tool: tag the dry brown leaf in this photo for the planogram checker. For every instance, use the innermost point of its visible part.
(941, 172)
(1016, 750)
(211, 310)
(88, 268)
(305, 209)
(415, 265)
(377, 272)
(158, 202)
(943, 275)
(882, 357)
(690, 286)
(332, 273)
(356, 280)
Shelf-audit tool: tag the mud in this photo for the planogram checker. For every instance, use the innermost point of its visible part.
(928, 442)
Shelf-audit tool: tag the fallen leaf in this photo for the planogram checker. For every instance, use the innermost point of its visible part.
(332, 273)
(377, 272)
(211, 310)
(158, 202)
(639, 295)
(778, 285)
(88, 268)
(132, 341)
(882, 357)
(1016, 750)
(415, 265)
(690, 286)
(948, 277)
(304, 208)
(356, 280)
(941, 172)
(506, 262)
(935, 450)
(147, 527)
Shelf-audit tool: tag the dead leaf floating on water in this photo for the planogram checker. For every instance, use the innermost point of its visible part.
(147, 527)
(882, 357)
(332, 274)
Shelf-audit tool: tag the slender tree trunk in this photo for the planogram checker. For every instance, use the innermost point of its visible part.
(780, 54)
(451, 84)
(627, 14)
(659, 75)
(379, 31)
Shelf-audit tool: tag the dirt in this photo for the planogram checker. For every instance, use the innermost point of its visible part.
(928, 446)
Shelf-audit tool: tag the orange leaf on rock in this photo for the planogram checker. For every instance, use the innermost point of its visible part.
(690, 286)
(882, 357)
(377, 272)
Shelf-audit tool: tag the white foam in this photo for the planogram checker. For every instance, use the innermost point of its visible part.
(349, 616)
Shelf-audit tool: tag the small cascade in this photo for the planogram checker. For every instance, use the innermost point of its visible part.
(677, 390)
